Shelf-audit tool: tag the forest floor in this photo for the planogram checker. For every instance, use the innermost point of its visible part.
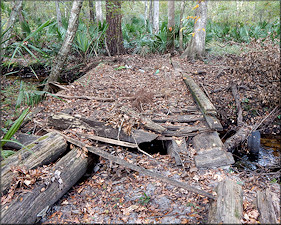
(113, 194)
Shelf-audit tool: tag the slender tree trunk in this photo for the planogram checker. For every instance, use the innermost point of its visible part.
(146, 10)
(181, 22)
(66, 45)
(58, 14)
(171, 25)
(92, 15)
(114, 32)
(150, 13)
(156, 17)
(196, 47)
(99, 11)
(6, 38)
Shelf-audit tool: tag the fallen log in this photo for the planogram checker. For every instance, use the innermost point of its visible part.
(141, 170)
(148, 123)
(63, 121)
(24, 139)
(186, 131)
(228, 208)
(234, 141)
(268, 207)
(42, 151)
(66, 172)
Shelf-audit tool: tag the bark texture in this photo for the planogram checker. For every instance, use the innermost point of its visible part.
(58, 14)
(13, 16)
(196, 47)
(156, 17)
(91, 12)
(66, 46)
(114, 32)
(171, 25)
(66, 172)
(99, 15)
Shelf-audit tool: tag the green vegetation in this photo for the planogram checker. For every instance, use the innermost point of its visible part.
(144, 199)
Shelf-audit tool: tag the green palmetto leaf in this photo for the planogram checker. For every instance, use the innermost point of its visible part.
(14, 128)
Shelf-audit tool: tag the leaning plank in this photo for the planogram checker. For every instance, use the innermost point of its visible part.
(238, 104)
(42, 151)
(148, 123)
(67, 171)
(202, 100)
(228, 207)
(268, 208)
(63, 121)
(141, 170)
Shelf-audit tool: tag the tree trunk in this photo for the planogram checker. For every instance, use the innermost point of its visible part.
(92, 15)
(114, 32)
(150, 12)
(181, 22)
(156, 17)
(196, 47)
(171, 25)
(66, 46)
(146, 11)
(58, 14)
(99, 15)
(6, 38)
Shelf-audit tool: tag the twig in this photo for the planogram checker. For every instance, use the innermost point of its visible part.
(140, 149)
(84, 97)
(119, 129)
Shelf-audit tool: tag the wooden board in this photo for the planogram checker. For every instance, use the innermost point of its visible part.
(213, 122)
(228, 208)
(63, 121)
(210, 151)
(269, 208)
(201, 99)
(179, 119)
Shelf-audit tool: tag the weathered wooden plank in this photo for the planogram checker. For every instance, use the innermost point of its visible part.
(67, 171)
(228, 208)
(213, 122)
(148, 123)
(44, 150)
(186, 131)
(201, 99)
(210, 151)
(268, 208)
(62, 121)
(179, 119)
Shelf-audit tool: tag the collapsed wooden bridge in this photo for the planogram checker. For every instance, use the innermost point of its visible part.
(199, 122)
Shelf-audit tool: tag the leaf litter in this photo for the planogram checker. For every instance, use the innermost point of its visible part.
(113, 194)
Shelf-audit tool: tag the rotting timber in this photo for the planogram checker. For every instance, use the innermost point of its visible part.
(197, 122)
